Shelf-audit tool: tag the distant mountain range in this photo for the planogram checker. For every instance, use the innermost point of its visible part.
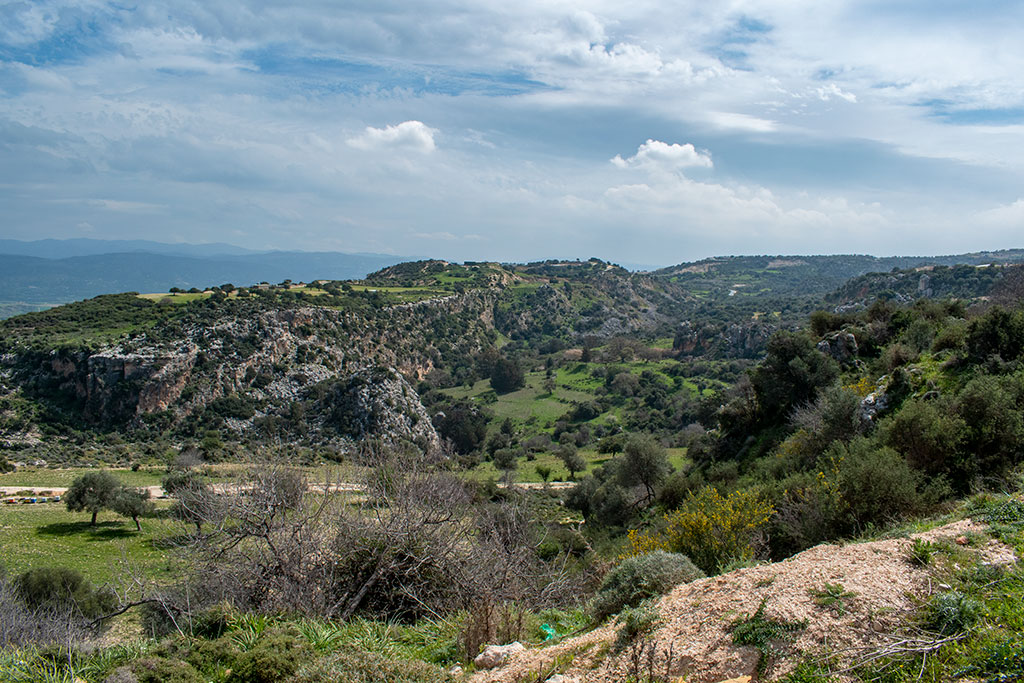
(45, 273)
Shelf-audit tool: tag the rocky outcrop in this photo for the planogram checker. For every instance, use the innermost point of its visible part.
(841, 345)
(734, 340)
(378, 404)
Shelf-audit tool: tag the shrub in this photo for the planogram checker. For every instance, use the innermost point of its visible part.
(62, 588)
(951, 612)
(641, 577)
(877, 484)
(636, 621)
(160, 670)
(275, 656)
(713, 530)
(358, 666)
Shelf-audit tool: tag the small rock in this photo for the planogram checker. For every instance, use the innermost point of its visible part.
(962, 540)
(557, 678)
(741, 679)
(496, 655)
(455, 671)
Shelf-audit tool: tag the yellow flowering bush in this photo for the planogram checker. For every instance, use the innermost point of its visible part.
(713, 530)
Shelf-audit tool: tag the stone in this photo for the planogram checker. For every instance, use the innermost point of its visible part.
(497, 655)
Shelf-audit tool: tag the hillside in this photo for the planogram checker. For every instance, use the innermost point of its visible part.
(690, 632)
(294, 363)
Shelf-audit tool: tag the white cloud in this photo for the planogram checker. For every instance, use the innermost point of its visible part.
(831, 90)
(655, 155)
(735, 121)
(408, 135)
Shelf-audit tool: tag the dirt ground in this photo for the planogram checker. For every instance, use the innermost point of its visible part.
(693, 640)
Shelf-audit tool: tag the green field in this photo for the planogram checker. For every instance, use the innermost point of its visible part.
(41, 477)
(47, 535)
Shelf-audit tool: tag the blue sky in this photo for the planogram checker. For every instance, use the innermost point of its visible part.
(642, 132)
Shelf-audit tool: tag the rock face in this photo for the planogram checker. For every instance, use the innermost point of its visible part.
(379, 403)
(735, 340)
(302, 373)
(841, 345)
(496, 655)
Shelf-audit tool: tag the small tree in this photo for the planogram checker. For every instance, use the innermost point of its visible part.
(572, 459)
(544, 472)
(134, 503)
(193, 503)
(644, 463)
(92, 492)
(507, 376)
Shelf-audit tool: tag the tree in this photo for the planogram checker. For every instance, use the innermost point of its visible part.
(573, 461)
(644, 463)
(130, 502)
(544, 472)
(193, 503)
(791, 374)
(507, 376)
(92, 492)
(463, 423)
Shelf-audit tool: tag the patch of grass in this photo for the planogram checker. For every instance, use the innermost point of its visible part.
(47, 535)
(40, 478)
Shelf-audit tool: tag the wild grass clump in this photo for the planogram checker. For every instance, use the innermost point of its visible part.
(639, 578)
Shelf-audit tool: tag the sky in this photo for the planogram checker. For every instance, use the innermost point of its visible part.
(641, 132)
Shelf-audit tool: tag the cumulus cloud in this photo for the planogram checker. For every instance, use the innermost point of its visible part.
(655, 155)
(408, 135)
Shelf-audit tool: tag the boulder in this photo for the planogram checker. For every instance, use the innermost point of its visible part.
(497, 655)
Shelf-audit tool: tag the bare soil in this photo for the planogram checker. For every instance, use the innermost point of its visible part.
(696, 618)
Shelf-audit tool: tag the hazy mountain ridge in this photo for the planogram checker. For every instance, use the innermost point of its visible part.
(29, 282)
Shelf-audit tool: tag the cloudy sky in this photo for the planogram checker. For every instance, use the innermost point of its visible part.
(641, 132)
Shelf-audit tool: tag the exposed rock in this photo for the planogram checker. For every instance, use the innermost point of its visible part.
(496, 655)
(841, 345)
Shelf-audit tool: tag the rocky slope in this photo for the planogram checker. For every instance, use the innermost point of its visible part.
(692, 637)
(328, 367)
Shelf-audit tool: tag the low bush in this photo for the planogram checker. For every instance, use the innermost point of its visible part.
(160, 670)
(62, 588)
(641, 577)
(358, 666)
(276, 655)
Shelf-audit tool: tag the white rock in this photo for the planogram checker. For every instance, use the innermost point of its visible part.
(496, 655)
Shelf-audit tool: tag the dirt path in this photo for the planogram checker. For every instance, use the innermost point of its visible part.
(695, 618)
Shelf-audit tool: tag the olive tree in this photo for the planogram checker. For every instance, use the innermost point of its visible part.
(92, 492)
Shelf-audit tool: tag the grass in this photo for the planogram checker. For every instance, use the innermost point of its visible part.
(527, 473)
(62, 478)
(47, 535)
(176, 297)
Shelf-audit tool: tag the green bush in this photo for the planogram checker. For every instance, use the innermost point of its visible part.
(641, 577)
(358, 666)
(160, 670)
(636, 621)
(62, 588)
(276, 655)
(951, 612)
